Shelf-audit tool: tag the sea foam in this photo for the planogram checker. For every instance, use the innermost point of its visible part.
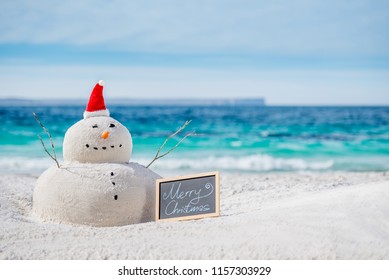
(249, 163)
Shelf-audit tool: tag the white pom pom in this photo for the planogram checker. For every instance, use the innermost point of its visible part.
(101, 83)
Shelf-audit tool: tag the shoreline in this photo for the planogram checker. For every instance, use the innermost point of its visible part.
(305, 215)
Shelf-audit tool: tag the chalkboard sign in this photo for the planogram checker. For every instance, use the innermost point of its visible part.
(188, 197)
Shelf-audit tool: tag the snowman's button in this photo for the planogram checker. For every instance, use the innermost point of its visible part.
(87, 145)
(112, 174)
(113, 183)
(115, 197)
(120, 145)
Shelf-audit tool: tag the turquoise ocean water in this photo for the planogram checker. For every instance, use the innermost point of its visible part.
(230, 138)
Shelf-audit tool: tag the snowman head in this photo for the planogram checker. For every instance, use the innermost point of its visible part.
(97, 138)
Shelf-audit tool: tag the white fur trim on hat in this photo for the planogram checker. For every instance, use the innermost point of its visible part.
(100, 113)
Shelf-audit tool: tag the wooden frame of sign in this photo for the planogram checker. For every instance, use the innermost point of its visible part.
(189, 197)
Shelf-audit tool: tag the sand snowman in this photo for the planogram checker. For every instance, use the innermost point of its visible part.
(96, 185)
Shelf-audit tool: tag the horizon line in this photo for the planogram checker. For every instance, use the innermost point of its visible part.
(238, 101)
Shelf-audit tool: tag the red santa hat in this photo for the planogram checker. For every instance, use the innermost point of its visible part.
(96, 106)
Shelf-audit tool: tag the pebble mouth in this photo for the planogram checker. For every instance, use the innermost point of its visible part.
(104, 148)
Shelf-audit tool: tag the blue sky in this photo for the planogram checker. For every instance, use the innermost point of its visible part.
(290, 52)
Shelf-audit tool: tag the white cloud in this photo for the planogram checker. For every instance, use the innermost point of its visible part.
(303, 26)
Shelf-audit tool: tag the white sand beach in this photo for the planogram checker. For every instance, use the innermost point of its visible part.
(334, 215)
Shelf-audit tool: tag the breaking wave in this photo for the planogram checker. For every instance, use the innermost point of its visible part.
(250, 163)
(23, 165)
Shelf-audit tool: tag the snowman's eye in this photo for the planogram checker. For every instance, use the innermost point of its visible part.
(111, 125)
(95, 126)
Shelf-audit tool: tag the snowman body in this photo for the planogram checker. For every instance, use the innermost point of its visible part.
(98, 194)
(97, 185)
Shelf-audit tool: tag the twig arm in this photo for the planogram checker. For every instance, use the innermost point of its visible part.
(179, 142)
(158, 156)
(54, 156)
(171, 136)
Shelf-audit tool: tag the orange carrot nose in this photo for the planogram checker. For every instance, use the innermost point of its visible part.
(105, 134)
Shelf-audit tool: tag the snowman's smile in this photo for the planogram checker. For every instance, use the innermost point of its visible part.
(104, 147)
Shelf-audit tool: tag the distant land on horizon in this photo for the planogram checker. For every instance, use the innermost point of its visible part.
(136, 102)
(256, 102)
